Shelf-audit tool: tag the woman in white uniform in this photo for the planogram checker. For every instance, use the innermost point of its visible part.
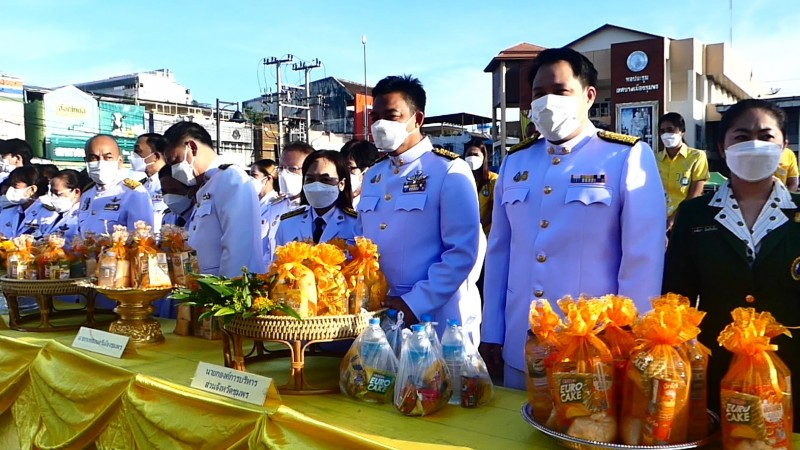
(265, 181)
(326, 210)
(25, 185)
(360, 156)
(65, 197)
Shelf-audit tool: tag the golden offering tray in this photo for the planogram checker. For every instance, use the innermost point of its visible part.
(582, 444)
(297, 336)
(44, 291)
(134, 308)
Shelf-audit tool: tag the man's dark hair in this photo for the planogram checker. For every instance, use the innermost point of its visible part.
(410, 87)
(17, 147)
(742, 106)
(177, 133)
(47, 171)
(299, 146)
(582, 68)
(364, 153)
(675, 119)
(155, 141)
(345, 200)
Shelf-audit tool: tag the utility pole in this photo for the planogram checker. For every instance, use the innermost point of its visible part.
(308, 67)
(278, 61)
(366, 96)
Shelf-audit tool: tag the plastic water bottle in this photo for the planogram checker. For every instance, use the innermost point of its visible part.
(392, 325)
(419, 347)
(453, 352)
(430, 329)
(373, 341)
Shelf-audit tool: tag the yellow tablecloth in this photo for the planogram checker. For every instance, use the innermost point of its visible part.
(52, 396)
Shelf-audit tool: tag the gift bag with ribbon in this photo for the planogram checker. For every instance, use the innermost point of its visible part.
(294, 283)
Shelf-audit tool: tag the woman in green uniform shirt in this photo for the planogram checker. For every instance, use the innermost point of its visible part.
(741, 245)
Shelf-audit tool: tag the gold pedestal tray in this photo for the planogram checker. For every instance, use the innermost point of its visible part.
(582, 444)
(134, 309)
(297, 336)
(44, 291)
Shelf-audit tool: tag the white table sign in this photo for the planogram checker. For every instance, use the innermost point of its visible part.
(102, 342)
(231, 383)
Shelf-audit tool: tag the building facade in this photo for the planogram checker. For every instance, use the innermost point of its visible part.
(156, 85)
(12, 113)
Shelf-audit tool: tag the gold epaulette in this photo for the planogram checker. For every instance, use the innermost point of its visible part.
(350, 212)
(445, 153)
(522, 145)
(131, 184)
(293, 213)
(617, 137)
(277, 199)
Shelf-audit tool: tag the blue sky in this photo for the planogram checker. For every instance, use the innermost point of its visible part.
(214, 48)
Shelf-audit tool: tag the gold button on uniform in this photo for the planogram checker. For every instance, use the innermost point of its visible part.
(383, 226)
(94, 213)
(548, 189)
(556, 161)
(541, 258)
(538, 293)
(544, 224)
(388, 197)
(396, 170)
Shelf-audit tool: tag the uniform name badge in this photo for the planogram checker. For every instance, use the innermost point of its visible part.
(588, 179)
(111, 207)
(415, 183)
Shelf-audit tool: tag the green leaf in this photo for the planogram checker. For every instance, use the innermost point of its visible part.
(247, 315)
(224, 311)
(289, 311)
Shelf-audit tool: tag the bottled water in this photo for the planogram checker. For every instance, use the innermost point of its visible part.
(453, 352)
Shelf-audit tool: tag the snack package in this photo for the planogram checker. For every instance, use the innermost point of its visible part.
(620, 314)
(295, 284)
(84, 253)
(332, 293)
(658, 378)
(392, 326)
(477, 388)
(363, 268)
(423, 384)
(114, 268)
(182, 258)
(6, 247)
(756, 393)
(583, 374)
(150, 268)
(52, 262)
(541, 349)
(21, 261)
(369, 369)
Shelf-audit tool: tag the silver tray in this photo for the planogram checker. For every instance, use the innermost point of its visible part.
(583, 444)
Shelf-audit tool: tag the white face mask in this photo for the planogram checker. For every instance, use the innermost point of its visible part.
(138, 163)
(389, 135)
(183, 171)
(671, 140)
(753, 160)
(475, 162)
(103, 172)
(17, 196)
(355, 182)
(61, 204)
(47, 199)
(178, 204)
(291, 183)
(258, 185)
(555, 116)
(6, 166)
(320, 195)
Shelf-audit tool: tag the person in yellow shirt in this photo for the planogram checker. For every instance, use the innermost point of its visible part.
(475, 155)
(787, 169)
(683, 170)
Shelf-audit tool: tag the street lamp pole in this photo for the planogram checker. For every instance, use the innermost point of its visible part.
(218, 133)
(364, 43)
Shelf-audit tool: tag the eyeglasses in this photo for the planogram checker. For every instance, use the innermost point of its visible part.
(324, 180)
(293, 169)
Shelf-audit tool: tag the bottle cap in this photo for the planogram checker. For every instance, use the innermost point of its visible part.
(453, 322)
(374, 321)
(417, 328)
(391, 313)
(426, 318)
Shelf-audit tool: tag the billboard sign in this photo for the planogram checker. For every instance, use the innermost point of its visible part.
(124, 122)
(70, 117)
